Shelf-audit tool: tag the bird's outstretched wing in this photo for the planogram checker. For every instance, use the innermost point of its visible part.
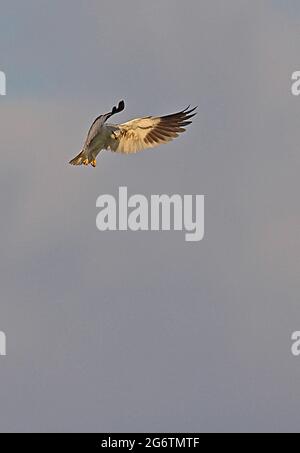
(149, 132)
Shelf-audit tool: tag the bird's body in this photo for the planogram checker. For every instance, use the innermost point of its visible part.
(130, 137)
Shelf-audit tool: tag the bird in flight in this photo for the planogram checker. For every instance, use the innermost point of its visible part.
(133, 136)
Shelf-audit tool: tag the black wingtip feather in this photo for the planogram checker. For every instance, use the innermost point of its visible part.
(118, 109)
(182, 114)
(187, 111)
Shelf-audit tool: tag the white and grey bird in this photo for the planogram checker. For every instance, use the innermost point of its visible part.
(133, 136)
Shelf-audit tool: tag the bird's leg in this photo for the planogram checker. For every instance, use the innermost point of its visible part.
(85, 162)
(94, 163)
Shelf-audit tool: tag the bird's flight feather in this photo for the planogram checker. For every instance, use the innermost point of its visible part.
(149, 132)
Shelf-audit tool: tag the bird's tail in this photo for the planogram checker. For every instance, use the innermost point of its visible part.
(78, 160)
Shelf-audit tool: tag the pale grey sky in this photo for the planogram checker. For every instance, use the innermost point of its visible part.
(142, 331)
